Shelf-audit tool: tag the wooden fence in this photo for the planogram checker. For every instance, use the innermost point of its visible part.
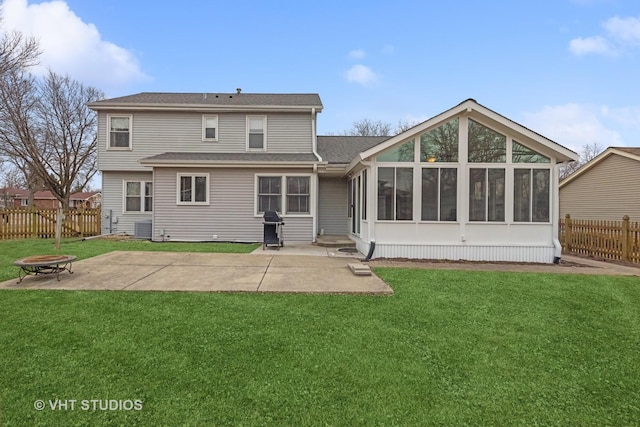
(41, 223)
(615, 240)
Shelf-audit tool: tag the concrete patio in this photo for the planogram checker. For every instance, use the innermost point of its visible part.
(262, 271)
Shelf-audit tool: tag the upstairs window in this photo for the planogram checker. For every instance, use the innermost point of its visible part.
(120, 132)
(256, 132)
(209, 128)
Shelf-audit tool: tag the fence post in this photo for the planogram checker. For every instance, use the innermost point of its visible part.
(568, 239)
(626, 238)
(34, 222)
(80, 213)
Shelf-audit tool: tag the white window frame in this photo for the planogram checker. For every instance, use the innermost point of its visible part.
(264, 133)
(143, 195)
(193, 186)
(283, 193)
(204, 127)
(24, 202)
(115, 116)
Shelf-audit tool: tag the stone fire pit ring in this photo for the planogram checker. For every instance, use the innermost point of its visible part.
(44, 264)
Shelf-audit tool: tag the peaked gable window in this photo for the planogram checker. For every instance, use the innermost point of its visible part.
(120, 132)
(486, 145)
(440, 144)
(256, 132)
(522, 154)
(400, 153)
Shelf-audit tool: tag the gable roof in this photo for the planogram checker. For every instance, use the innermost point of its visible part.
(343, 148)
(474, 110)
(628, 152)
(185, 101)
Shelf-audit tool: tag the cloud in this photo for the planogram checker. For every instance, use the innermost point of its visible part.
(621, 34)
(361, 74)
(388, 49)
(71, 46)
(583, 46)
(625, 30)
(357, 54)
(575, 125)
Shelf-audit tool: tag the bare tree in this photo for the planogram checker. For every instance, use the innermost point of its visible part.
(47, 126)
(404, 125)
(586, 154)
(368, 127)
(17, 51)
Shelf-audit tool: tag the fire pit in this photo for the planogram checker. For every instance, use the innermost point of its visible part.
(44, 264)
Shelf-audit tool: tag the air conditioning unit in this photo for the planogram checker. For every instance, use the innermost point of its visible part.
(142, 229)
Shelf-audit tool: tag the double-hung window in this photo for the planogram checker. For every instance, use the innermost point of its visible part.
(120, 132)
(294, 190)
(138, 196)
(209, 128)
(256, 132)
(193, 189)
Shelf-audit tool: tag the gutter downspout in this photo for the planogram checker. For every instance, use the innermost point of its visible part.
(555, 214)
(314, 146)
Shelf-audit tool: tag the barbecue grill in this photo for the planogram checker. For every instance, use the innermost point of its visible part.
(272, 235)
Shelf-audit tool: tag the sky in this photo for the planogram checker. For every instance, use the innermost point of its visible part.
(567, 69)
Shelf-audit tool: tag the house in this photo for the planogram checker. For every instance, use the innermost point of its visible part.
(465, 184)
(606, 188)
(11, 198)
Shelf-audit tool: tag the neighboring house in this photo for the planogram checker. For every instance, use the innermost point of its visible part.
(606, 188)
(12, 198)
(465, 184)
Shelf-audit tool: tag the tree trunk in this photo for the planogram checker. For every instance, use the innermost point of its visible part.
(59, 219)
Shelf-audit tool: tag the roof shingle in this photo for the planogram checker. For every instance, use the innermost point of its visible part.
(215, 99)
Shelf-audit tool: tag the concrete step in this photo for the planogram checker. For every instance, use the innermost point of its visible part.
(360, 269)
(330, 241)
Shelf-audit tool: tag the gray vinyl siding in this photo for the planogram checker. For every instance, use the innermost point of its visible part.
(159, 132)
(112, 202)
(332, 206)
(230, 214)
(607, 191)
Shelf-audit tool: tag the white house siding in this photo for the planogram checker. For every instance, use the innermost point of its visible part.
(490, 242)
(607, 191)
(114, 219)
(332, 206)
(230, 215)
(160, 132)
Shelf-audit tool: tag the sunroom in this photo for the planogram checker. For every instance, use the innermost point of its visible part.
(468, 184)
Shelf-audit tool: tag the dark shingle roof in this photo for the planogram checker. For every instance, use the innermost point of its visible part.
(214, 99)
(230, 157)
(343, 149)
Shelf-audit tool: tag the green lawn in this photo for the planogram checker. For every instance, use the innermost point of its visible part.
(449, 348)
(11, 250)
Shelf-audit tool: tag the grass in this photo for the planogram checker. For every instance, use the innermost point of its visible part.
(449, 348)
(11, 250)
